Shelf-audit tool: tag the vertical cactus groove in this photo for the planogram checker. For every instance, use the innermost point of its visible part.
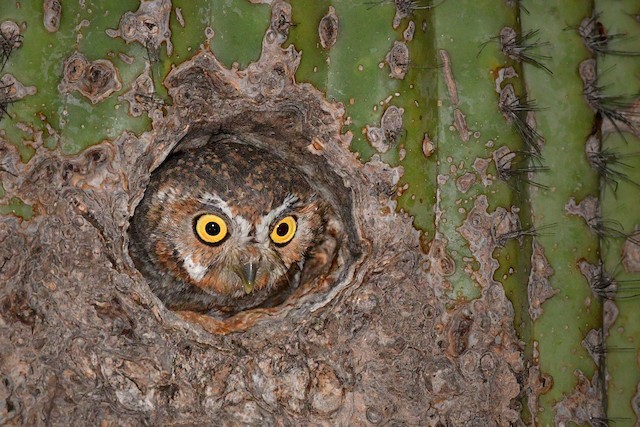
(618, 163)
(471, 133)
(386, 81)
(565, 121)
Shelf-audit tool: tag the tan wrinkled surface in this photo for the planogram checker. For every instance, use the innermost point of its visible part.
(149, 25)
(96, 80)
(539, 287)
(83, 338)
(584, 405)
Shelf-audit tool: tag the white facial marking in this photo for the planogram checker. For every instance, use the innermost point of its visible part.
(215, 200)
(195, 270)
(243, 228)
(262, 229)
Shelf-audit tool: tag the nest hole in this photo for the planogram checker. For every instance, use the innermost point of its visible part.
(178, 267)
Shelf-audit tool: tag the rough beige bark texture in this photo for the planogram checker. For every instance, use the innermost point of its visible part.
(83, 341)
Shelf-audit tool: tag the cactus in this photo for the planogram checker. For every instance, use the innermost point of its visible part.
(619, 141)
(514, 124)
(574, 310)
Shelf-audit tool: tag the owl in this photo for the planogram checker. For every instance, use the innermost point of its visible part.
(225, 227)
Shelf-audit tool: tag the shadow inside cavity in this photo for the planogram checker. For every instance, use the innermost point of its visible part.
(288, 135)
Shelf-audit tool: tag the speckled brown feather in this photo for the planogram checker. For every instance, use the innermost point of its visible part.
(251, 183)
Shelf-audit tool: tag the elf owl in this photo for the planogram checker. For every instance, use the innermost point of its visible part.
(224, 227)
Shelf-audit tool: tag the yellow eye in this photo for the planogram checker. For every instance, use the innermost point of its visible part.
(284, 231)
(211, 228)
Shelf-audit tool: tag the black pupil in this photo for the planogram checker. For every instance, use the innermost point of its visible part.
(282, 229)
(212, 228)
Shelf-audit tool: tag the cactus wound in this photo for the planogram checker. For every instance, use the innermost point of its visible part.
(539, 287)
(386, 136)
(409, 32)
(427, 146)
(149, 25)
(398, 60)
(584, 405)
(631, 252)
(459, 120)
(12, 90)
(141, 94)
(450, 82)
(404, 9)
(52, 12)
(328, 29)
(588, 208)
(465, 182)
(485, 232)
(96, 80)
(10, 39)
(635, 401)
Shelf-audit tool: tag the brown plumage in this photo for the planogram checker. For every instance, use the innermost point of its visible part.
(178, 239)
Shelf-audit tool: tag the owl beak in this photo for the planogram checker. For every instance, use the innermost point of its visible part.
(247, 273)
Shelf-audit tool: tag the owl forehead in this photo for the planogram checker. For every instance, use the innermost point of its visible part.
(232, 211)
(250, 181)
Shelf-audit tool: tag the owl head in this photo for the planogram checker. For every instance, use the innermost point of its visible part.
(224, 227)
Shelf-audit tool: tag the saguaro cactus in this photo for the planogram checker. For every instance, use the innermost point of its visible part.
(482, 158)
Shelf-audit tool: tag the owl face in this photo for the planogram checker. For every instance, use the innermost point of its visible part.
(230, 219)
